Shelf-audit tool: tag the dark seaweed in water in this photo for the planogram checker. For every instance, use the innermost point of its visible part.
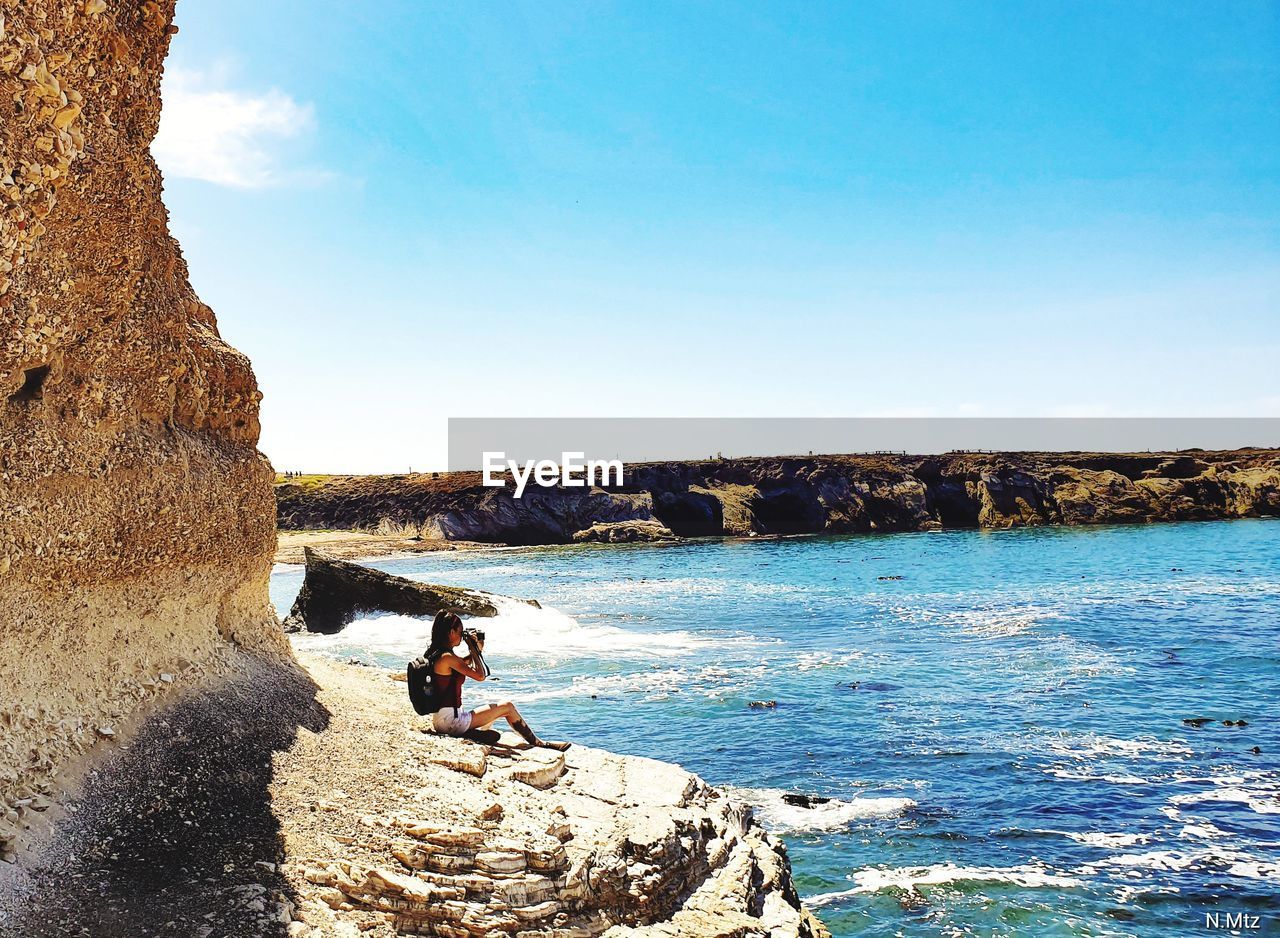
(871, 685)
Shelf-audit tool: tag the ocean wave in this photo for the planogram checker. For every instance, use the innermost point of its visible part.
(910, 878)
(1223, 860)
(985, 620)
(657, 684)
(1261, 802)
(519, 631)
(1104, 839)
(1113, 778)
(815, 660)
(1092, 746)
(783, 818)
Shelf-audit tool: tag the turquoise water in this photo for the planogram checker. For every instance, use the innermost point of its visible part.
(1000, 730)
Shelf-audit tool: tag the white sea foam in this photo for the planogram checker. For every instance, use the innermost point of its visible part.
(652, 589)
(1092, 746)
(1202, 830)
(1255, 869)
(986, 620)
(816, 660)
(1220, 859)
(1206, 587)
(1004, 622)
(910, 878)
(1111, 759)
(1102, 839)
(1263, 802)
(783, 818)
(1112, 777)
(518, 631)
(1162, 860)
(657, 684)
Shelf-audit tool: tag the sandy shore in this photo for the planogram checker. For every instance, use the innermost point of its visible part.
(309, 802)
(354, 545)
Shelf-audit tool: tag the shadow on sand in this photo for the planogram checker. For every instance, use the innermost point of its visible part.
(174, 834)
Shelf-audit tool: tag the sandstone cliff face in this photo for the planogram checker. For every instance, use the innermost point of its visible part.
(136, 516)
(818, 494)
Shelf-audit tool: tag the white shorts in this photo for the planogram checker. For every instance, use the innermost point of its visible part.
(444, 721)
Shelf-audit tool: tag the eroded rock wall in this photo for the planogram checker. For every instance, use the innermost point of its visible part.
(136, 515)
(816, 494)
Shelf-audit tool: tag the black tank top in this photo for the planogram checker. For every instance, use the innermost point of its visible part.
(446, 690)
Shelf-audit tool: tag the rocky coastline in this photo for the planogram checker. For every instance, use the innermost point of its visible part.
(801, 495)
(327, 811)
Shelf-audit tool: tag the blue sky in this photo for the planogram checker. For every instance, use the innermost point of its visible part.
(408, 211)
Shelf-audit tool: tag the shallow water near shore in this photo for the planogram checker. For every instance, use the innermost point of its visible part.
(1000, 732)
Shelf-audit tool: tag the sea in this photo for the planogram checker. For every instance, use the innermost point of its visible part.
(1042, 731)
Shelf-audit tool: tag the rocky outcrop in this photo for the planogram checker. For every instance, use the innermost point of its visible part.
(614, 844)
(831, 494)
(625, 532)
(336, 591)
(136, 515)
(449, 837)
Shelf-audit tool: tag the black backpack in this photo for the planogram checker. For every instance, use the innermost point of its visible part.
(419, 680)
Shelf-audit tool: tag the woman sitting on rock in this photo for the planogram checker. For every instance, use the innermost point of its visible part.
(448, 671)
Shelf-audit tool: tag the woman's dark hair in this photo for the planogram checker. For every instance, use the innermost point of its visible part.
(445, 622)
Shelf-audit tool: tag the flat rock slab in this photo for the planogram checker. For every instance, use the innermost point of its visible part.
(540, 768)
(470, 759)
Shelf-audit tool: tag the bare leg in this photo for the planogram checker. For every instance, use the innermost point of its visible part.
(484, 716)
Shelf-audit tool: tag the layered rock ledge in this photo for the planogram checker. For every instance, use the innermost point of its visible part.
(325, 810)
(802, 495)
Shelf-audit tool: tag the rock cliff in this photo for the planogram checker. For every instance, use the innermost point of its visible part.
(136, 535)
(816, 494)
(136, 516)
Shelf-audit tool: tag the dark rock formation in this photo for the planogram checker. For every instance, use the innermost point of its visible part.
(801, 800)
(336, 591)
(691, 513)
(818, 494)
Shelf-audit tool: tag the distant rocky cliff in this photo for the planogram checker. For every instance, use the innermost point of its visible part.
(799, 495)
(136, 527)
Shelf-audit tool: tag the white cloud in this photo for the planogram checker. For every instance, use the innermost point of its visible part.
(229, 138)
